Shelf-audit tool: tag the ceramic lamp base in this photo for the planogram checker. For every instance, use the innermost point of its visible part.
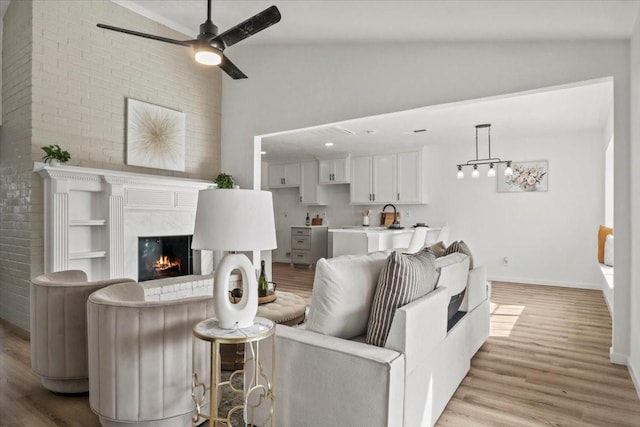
(242, 314)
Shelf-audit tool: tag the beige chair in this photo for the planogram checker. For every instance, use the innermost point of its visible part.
(140, 356)
(59, 329)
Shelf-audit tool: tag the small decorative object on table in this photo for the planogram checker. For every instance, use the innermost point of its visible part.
(365, 217)
(224, 181)
(54, 155)
(265, 295)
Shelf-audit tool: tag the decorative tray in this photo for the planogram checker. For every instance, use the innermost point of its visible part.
(271, 297)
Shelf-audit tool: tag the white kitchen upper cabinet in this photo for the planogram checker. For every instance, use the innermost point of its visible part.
(361, 184)
(310, 192)
(335, 171)
(389, 178)
(285, 175)
(384, 178)
(409, 177)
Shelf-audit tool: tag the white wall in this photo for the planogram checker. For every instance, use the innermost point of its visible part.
(291, 87)
(634, 358)
(531, 229)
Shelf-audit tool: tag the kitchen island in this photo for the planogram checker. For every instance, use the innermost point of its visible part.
(364, 240)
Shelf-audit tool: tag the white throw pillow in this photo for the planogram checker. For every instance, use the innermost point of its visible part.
(608, 250)
(454, 272)
(343, 289)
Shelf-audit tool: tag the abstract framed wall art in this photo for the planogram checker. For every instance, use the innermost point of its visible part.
(527, 177)
(155, 136)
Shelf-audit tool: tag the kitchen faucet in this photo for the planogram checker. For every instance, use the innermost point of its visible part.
(395, 214)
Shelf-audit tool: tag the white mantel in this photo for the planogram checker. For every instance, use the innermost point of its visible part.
(93, 218)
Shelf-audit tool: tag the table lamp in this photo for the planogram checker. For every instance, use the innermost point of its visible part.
(234, 220)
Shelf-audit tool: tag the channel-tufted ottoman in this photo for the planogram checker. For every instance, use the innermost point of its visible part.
(288, 309)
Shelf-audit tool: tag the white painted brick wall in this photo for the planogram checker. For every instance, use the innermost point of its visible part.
(16, 165)
(65, 82)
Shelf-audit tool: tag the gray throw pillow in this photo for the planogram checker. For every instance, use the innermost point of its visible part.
(438, 249)
(461, 247)
(404, 278)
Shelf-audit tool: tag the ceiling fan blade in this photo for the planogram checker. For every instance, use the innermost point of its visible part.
(230, 68)
(147, 36)
(255, 24)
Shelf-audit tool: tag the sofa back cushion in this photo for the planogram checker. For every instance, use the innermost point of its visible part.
(404, 278)
(343, 289)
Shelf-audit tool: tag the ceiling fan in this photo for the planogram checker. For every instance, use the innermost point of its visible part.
(208, 47)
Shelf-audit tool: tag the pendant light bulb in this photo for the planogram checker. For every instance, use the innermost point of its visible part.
(475, 173)
(460, 174)
(492, 171)
(508, 172)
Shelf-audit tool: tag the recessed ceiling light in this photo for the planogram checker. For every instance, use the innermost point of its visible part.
(328, 144)
(263, 152)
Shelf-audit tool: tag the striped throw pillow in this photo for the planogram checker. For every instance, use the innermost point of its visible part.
(461, 247)
(404, 278)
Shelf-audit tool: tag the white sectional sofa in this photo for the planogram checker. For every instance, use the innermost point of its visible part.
(331, 380)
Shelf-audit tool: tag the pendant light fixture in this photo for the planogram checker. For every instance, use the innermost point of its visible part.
(491, 161)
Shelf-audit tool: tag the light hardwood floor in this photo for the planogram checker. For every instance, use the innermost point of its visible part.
(545, 364)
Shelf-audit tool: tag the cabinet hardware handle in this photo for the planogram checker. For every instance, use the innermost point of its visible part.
(398, 196)
(374, 197)
(301, 198)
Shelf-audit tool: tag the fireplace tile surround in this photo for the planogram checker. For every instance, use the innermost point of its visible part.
(94, 217)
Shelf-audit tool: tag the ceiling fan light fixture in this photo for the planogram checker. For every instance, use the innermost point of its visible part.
(207, 55)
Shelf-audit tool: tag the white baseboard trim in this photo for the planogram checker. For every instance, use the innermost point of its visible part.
(618, 358)
(530, 281)
(635, 378)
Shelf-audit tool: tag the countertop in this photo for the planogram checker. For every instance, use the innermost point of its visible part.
(377, 230)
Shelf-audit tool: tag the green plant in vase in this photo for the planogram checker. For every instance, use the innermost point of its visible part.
(54, 155)
(224, 180)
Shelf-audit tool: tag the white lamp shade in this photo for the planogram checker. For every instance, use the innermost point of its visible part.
(234, 220)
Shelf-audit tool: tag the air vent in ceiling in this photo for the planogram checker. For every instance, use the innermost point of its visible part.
(332, 132)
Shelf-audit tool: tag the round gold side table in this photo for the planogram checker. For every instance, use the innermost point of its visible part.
(261, 387)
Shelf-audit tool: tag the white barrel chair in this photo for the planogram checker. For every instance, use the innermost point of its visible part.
(58, 303)
(140, 356)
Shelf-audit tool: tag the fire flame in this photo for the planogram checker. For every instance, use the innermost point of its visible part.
(164, 263)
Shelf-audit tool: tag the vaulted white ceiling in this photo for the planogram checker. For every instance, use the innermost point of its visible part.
(393, 21)
(340, 21)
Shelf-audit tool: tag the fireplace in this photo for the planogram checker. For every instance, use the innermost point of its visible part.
(164, 256)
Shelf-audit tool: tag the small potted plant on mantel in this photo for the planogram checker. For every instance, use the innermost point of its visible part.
(54, 155)
(224, 181)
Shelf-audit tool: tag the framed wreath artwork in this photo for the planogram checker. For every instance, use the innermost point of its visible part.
(527, 177)
(155, 136)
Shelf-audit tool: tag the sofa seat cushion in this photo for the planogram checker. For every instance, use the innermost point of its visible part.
(343, 289)
(404, 278)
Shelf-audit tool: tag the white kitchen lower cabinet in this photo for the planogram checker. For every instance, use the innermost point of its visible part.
(308, 244)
